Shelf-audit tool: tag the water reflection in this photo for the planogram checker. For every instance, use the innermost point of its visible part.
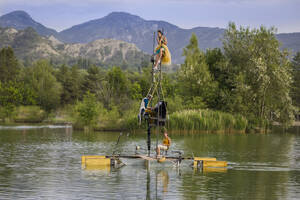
(45, 164)
(160, 178)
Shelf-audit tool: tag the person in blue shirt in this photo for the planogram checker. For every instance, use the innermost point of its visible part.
(143, 107)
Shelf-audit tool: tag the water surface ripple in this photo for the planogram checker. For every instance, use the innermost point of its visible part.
(45, 163)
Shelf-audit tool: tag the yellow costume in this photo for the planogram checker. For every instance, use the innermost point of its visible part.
(166, 57)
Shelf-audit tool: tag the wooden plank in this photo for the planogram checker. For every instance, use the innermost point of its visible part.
(146, 157)
(139, 156)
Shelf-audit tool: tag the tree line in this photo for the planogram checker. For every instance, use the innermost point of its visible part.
(249, 76)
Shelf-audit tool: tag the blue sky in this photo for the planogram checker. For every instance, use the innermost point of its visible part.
(62, 14)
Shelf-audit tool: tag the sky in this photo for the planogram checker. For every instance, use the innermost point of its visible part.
(62, 14)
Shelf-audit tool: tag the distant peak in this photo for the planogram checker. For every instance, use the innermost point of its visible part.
(118, 13)
(18, 13)
(122, 14)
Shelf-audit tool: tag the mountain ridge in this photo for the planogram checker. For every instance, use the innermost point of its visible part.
(20, 20)
(30, 46)
(134, 29)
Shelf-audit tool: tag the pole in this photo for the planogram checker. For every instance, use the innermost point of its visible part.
(148, 195)
(149, 126)
(158, 109)
(149, 138)
(117, 143)
(153, 58)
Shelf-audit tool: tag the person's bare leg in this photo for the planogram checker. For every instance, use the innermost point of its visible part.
(156, 60)
(158, 151)
(158, 57)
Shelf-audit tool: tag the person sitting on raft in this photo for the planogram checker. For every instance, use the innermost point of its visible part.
(166, 143)
(162, 52)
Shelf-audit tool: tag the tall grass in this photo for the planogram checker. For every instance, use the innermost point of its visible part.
(206, 120)
(29, 114)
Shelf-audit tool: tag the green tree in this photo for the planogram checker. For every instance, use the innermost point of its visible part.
(296, 78)
(64, 78)
(93, 79)
(169, 84)
(218, 67)
(145, 79)
(195, 81)
(9, 67)
(71, 82)
(118, 85)
(136, 91)
(117, 80)
(40, 77)
(10, 97)
(84, 63)
(77, 82)
(260, 74)
(88, 110)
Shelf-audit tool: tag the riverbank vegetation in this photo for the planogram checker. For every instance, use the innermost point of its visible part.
(248, 84)
(207, 121)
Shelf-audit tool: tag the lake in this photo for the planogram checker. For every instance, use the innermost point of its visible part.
(45, 163)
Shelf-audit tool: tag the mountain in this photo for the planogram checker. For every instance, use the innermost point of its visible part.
(29, 46)
(133, 29)
(20, 20)
(290, 41)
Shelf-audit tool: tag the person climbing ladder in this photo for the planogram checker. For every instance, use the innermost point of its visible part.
(162, 53)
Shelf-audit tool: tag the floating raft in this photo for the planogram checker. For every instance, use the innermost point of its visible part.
(97, 162)
(90, 161)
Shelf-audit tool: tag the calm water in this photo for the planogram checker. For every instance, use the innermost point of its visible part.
(45, 163)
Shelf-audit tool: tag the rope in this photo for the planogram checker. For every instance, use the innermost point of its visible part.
(150, 89)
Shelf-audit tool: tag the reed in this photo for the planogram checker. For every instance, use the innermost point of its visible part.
(29, 114)
(207, 120)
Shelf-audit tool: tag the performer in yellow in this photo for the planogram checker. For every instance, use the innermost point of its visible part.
(162, 52)
(166, 143)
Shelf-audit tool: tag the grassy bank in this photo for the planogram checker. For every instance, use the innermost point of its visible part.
(186, 121)
(206, 121)
(198, 121)
(24, 114)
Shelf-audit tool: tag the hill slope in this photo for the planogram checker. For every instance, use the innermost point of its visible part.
(290, 41)
(134, 29)
(20, 20)
(29, 46)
